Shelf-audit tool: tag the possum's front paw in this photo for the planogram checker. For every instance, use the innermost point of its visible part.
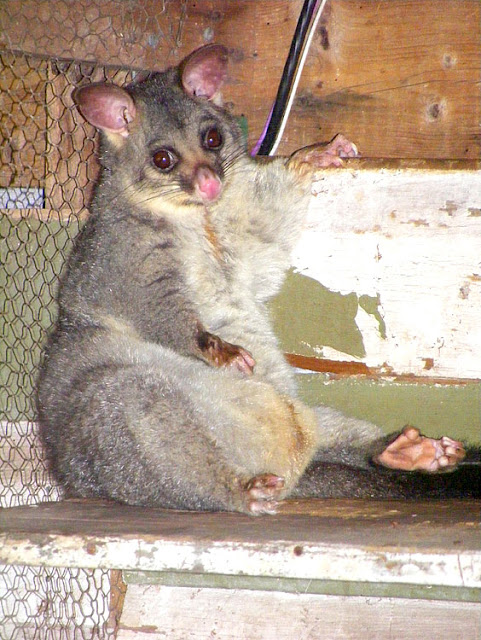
(320, 156)
(240, 359)
(411, 451)
(220, 353)
(262, 492)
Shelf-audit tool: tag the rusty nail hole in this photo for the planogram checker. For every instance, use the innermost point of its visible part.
(449, 61)
(298, 551)
(428, 363)
(91, 548)
(436, 110)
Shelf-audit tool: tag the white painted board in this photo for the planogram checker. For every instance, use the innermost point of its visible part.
(412, 238)
(155, 612)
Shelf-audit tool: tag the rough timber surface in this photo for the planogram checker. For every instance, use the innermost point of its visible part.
(394, 246)
(437, 543)
(411, 65)
(157, 613)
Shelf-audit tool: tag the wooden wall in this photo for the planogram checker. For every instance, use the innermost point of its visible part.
(388, 280)
(401, 77)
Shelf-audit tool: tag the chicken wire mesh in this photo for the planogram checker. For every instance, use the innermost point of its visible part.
(58, 604)
(47, 170)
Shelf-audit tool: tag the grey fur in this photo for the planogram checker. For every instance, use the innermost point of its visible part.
(129, 408)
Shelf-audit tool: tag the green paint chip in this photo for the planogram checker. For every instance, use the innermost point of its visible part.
(371, 305)
(309, 316)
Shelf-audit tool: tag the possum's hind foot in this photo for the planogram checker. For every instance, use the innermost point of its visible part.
(262, 492)
(411, 451)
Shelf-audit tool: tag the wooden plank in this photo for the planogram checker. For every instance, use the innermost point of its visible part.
(118, 589)
(348, 368)
(395, 252)
(411, 65)
(156, 612)
(399, 77)
(362, 541)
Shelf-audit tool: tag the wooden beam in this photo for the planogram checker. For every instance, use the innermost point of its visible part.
(156, 612)
(399, 77)
(388, 272)
(348, 368)
(386, 541)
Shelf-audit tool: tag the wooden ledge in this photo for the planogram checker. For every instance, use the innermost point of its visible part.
(425, 544)
(350, 368)
(419, 165)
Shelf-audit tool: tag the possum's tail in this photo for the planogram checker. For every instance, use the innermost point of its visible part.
(338, 480)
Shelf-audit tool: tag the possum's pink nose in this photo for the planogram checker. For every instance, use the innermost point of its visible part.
(207, 184)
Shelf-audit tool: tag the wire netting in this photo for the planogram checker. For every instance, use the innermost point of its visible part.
(57, 603)
(47, 171)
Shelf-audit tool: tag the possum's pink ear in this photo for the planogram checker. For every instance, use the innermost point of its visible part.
(106, 106)
(204, 72)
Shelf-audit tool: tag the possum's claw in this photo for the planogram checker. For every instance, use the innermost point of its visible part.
(262, 492)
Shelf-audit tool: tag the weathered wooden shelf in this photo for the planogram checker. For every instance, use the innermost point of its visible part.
(435, 543)
(326, 568)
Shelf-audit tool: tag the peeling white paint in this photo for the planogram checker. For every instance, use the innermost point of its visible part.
(317, 562)
(410, 237)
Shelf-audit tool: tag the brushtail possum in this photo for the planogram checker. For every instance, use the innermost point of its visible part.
(162, 383)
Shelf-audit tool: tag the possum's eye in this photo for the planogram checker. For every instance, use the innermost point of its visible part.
(164, 159)
(213, 138)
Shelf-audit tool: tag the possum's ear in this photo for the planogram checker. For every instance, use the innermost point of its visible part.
(204, 71)
(106, 106)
